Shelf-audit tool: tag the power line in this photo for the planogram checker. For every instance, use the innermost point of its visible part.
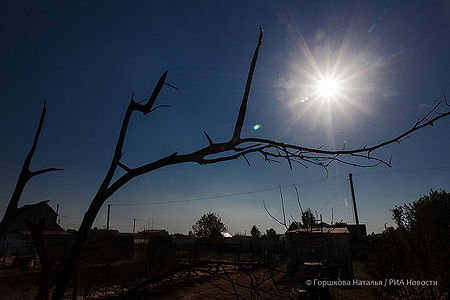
(193, 199)
(223, 196)
(402, 171)
(399, 171)
(335, 194)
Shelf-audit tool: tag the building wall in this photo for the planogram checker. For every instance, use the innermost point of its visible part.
(332, 250)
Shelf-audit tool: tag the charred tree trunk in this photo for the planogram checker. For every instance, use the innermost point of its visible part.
(37, 234)
(25, 175)
(103, 193)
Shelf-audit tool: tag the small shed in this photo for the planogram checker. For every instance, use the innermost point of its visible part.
(327, 249)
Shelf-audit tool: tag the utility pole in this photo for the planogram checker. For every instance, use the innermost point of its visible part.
(331, 216)
(134, 225)
(353, 198)
(57, 213)
(107, 218)
(321, 224)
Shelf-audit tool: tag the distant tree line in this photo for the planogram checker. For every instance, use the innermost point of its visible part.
(210, 227)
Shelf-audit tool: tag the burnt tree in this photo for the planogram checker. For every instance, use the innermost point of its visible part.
(234, 148)
(24, 176)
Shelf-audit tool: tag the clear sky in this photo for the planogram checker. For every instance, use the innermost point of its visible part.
(389, 60)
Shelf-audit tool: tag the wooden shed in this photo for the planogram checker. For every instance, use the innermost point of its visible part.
(328, 250)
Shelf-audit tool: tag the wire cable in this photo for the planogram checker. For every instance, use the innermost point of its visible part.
(335, 194)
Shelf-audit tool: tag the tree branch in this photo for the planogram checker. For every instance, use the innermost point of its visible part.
(24, 176)
(147, 107)
(103, 192)
(208, 138)
(243, 108)
(298, 199)
(160, 106)
(365, 149)
(124, 167)
(282, 207)
(35, 173)
(271, 150)
(278, 221)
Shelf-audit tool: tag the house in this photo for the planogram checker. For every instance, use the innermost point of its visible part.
(145, 236)
(297, 225)
(17, 240)
(33, 213)
(323, 225)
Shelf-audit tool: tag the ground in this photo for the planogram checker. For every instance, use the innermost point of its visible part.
(204, 283)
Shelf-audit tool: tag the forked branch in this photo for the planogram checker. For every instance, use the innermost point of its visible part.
(239, 147)
(25, 175)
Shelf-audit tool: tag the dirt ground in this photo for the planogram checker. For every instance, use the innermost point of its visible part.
(16, 283)
(281, 287)
(256, 284)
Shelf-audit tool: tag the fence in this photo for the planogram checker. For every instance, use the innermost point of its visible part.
(112, 262)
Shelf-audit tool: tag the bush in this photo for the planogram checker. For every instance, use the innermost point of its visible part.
(418, 248)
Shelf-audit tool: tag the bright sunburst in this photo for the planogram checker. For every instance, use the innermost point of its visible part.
(328, 83)
(328, 88)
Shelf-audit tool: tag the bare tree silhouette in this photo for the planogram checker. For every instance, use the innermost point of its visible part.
(232, 149)
(36, 229)
(24, 176)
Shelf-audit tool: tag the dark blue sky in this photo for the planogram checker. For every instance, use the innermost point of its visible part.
(85, 58)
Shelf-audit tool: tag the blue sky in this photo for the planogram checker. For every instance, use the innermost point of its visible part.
(85, 59)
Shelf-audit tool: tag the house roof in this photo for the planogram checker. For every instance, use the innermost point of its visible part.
(34, 212)
(335, 230)
(323, 224)
(153, 231)
(298, 225)
(31, 207)
(45, 232)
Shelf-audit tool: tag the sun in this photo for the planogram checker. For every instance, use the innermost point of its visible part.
(328, 88)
